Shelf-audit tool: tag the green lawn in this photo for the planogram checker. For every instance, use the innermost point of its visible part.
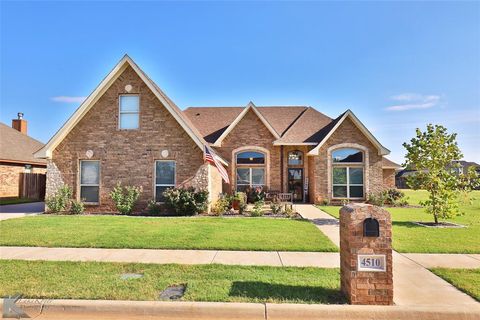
(408, 237)
(95, 280)
(6, 201)
(467, 280)
(222, 233)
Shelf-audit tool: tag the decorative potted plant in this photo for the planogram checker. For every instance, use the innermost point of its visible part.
(236, 200)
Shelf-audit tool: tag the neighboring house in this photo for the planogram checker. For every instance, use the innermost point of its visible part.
(129, 131)
(459, 166)
(16, 157)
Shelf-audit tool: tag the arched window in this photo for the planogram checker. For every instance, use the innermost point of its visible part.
(295, 158)
(250, 169)
(347, 173)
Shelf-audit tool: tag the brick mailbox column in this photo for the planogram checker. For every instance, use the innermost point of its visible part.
(366, 254)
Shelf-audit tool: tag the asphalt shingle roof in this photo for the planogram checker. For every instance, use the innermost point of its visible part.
(293, 123)
(18, 147)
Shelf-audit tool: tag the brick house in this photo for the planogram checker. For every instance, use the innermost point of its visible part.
(129, 131)
(16, 157)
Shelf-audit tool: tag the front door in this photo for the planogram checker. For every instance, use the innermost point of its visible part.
(295, 183)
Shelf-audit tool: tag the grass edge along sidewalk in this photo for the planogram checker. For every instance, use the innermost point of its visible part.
(212, 233)
(466, 280)
(100, 280)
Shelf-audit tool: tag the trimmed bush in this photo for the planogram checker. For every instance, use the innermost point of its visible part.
(186, 201)
(154, 209)
(60, 200)
(220, 206)
(77, 207)
(257, 210)
(125, 197)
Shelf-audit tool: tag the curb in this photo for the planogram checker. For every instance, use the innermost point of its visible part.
(114, 309)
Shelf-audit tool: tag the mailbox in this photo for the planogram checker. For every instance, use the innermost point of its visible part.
(371, 228)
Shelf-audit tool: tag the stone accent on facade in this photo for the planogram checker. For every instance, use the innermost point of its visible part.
(389, 178)
(365, 287)
(346, 133)
(54, 178)
(126, 156)
(10, 178)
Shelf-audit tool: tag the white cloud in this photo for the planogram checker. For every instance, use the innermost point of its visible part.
(68, 99)
(411, 101)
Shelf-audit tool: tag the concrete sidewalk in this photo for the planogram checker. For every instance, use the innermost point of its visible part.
(259, 258)
(413, 284)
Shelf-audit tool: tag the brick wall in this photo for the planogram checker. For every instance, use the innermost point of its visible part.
(365, 287)
(9, 178)
(346, 133)
(126, 156)
(251, 131)
(388, 178)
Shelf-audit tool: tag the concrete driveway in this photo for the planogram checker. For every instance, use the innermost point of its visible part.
(11, 211)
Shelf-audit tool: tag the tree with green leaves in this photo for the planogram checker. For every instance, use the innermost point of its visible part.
(432, 154)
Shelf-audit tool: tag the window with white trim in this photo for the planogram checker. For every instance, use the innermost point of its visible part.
(164, 177)
(129, 112)
(89, 181)
(250, 171)
(347, 173)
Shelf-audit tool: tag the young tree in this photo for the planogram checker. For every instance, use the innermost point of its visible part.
(432, 153)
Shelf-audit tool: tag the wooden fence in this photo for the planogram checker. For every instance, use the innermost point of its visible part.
(32, 185)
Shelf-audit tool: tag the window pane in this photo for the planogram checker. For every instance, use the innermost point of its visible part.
(339, 175)
(129, 103)
(356, 175)
(340, 191)
(129, 121)
(356, 192)
(89, 172)
(250, 157)
(165, 172)
(347, 155)
(243, 176)
(295, 158)
(89, 194)
(242, 188)
(258, 176)
(159, 193)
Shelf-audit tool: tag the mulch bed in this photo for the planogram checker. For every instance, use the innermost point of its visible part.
(442, 224)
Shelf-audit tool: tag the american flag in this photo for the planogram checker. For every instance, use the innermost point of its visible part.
(211, 157)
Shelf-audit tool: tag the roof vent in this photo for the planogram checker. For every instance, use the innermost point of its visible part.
(20, 115)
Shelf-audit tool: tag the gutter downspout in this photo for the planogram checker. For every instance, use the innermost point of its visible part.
(281, 170)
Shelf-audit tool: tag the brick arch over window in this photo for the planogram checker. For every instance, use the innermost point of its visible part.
(236, 151)
(366, 165)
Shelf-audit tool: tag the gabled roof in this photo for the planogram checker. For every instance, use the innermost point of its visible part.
(212, 122)
(187, 125)
(389, 164)
(332, 127)
(17, 147)
(305, 129)
(250, 106)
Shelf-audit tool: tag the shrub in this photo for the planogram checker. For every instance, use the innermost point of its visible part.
(125, 197)
(257, 209)
(289, 212)
(391, 197)
(77, 207)
(186, 201)
(153, 208)
(255, 194)
(220, 206)
(276, 207)
(325, 202)
(59, 201)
